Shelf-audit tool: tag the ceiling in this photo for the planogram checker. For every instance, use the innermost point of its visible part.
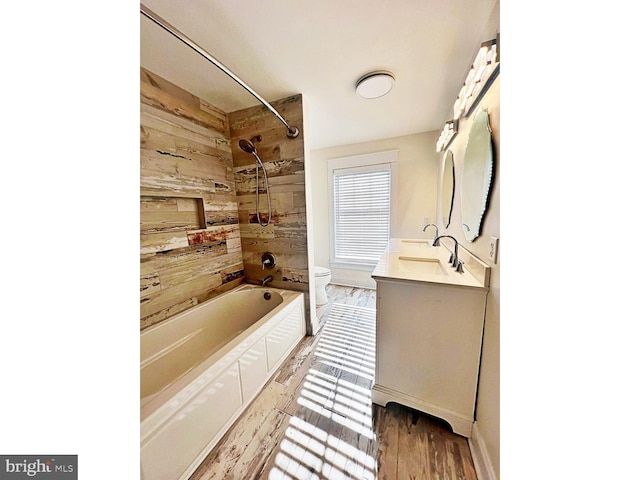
(320, 49)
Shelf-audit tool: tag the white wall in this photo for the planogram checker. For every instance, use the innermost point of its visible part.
(418, 165)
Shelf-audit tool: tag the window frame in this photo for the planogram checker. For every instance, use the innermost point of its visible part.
(367, 161)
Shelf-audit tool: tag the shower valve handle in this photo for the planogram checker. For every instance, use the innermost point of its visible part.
(268, 260)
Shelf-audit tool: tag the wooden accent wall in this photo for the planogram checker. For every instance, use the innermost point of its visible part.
(283, 157)
(190, 248)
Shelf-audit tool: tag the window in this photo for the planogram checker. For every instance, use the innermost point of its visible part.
(362, 190)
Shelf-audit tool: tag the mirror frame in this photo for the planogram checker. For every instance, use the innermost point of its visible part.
(447, 188)
(477, 175)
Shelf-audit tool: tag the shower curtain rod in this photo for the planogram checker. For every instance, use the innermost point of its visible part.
(292, 132)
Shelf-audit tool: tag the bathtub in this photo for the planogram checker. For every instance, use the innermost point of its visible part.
(201, 368)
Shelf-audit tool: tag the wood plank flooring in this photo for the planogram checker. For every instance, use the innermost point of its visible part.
(315, 419)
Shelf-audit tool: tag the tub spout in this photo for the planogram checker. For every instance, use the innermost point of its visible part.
(266, 280)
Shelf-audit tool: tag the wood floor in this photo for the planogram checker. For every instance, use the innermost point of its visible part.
(315, 419)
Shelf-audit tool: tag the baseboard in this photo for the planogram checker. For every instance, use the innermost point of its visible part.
(481, 460)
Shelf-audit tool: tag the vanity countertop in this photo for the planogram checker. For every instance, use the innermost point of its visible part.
(416, 260)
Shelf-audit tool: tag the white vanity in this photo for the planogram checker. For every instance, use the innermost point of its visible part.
(429, 327)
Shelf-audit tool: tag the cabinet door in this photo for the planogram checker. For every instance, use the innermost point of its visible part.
(430, 348)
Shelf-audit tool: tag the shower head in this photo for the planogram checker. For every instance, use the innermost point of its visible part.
(247, 146)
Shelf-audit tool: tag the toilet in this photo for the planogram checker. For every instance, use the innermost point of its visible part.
(323, 277)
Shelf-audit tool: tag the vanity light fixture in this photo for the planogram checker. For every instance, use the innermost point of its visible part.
(483, 71)
(449, 130)
(375, 84)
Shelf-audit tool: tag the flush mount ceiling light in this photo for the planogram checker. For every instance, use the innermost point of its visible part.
(375, 84)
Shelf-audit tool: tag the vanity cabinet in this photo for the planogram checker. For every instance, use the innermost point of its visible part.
(428, 345)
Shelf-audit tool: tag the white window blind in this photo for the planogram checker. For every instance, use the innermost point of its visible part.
(362, 213)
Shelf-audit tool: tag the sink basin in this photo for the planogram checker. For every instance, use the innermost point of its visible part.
(415, 247)
(416, 243)
(417, 260)
(425, 266)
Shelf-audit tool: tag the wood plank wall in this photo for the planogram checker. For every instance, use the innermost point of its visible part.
(190, 248)
(283, 158)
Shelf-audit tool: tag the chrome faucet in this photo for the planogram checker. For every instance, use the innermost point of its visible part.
(430, 225)
(453, 259)
(266, 280)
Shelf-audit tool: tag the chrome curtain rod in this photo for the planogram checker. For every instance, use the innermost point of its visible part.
(292, 132)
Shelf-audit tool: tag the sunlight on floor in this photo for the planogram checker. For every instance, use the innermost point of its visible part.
(323, 439)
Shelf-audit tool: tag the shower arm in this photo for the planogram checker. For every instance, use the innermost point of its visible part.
(292, 132)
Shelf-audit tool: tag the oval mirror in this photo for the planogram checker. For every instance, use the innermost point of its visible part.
(477, 173)
(447, 188)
